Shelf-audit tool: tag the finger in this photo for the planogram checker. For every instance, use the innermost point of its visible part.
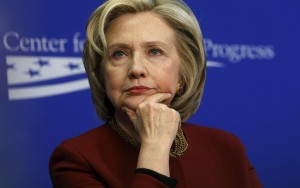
(158, 97)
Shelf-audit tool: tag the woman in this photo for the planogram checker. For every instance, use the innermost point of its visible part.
(146, 66)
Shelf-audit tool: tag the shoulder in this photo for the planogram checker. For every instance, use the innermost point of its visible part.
(212, 137)
(95, 135)
(204, 130)
(86, 148)
(88, 142)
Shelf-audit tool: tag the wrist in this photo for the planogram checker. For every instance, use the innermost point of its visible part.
(154, 157)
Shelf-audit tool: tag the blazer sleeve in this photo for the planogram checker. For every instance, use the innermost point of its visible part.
(69, 169)
(255, 183)
(254, 180)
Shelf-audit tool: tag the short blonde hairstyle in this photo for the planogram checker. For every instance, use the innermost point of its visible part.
(189, 43)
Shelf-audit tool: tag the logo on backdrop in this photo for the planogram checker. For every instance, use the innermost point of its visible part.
(218, 54)
(32, 76)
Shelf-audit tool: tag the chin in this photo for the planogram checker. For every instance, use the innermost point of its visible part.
(134, 103)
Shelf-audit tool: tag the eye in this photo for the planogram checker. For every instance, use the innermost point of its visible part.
(118, 54)
(155, 52)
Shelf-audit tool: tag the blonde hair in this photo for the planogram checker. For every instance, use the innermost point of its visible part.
(189, 43)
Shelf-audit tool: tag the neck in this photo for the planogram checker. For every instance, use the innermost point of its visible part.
(126, 124)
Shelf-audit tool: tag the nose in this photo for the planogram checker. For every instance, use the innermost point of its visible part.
(137, 67)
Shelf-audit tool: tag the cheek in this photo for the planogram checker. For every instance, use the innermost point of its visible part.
(113, 89)
(169, 80)
(112, 83)
(114, 77)
(168, 85)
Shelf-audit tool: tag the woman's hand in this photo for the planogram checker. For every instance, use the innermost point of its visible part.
(157, 126)
(154, 121)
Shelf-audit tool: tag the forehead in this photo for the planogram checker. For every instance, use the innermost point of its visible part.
(145, 26)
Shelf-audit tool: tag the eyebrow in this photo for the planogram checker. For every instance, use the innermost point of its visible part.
(118, 45)
(155, 43)
(145, 44)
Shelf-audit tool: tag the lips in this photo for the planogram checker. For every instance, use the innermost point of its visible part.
(137, 90)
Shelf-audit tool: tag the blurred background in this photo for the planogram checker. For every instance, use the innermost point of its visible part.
(252, 88)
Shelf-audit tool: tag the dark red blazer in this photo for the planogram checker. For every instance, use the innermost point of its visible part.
(100, 158)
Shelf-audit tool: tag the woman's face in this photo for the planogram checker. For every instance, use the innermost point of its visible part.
(141, 60)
